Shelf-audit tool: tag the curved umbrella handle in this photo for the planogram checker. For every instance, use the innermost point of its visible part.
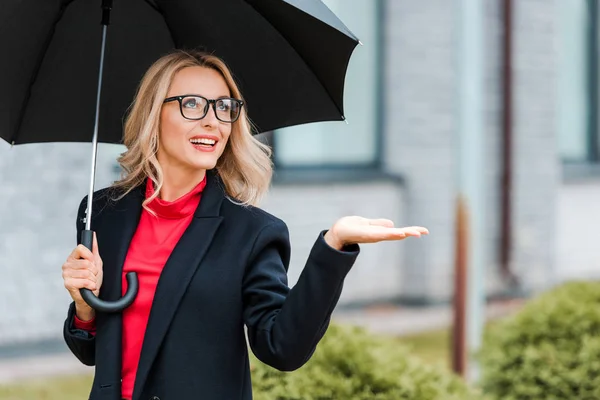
(88, 296)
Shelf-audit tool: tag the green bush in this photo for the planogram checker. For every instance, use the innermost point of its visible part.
(350, 364)
(548, 350)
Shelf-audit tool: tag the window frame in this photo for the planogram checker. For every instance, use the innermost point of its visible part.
(589, 167)
(593, 131)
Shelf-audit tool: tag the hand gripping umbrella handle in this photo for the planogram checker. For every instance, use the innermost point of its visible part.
(87, 238)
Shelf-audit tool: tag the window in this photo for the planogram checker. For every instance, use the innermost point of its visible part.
(578, 61)
(354, 143)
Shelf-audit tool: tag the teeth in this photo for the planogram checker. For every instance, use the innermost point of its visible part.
(209, 142)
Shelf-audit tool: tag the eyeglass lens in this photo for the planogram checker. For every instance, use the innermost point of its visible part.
(195, 107)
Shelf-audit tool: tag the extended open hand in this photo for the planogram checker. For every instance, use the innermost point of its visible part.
(353, 230)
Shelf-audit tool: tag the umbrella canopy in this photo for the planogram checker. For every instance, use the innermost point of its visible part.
(64, 75)
(288, 56)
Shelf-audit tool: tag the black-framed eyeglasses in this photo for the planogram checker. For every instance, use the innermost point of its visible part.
(195, 107)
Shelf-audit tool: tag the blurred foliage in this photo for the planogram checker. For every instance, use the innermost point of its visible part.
(350, 363)
(549, 350)
(431, 348)
(64, 388)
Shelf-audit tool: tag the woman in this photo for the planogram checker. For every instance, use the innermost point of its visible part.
(208, 261)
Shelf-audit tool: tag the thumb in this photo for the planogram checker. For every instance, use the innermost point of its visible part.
(95, 247)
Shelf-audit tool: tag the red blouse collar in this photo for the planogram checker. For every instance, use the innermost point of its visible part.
(182, 207)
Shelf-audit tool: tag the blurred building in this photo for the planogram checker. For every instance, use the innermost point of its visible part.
(396, 157)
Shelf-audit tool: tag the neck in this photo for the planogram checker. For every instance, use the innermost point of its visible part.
(177, 182)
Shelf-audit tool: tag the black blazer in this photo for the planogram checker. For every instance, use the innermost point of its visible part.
(228, 270)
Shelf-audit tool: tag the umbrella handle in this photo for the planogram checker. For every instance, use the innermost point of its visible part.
(87, 237)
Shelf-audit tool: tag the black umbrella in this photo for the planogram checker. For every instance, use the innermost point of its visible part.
(64, 77)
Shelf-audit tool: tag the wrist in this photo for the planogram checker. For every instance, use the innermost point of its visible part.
(333, 241)
(84, 312)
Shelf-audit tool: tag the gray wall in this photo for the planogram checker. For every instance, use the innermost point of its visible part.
(421, 129)
(537, 165)
(42, 185)
(577, 255)
(308, 209)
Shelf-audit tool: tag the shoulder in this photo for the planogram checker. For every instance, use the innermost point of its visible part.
(99, 198)
(254, 216)
(263, 232)
(102, 200)
(232, 208)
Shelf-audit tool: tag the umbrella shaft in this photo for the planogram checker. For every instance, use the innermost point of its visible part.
(88, 219)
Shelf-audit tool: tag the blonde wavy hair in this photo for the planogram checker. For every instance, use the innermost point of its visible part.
(245, 167)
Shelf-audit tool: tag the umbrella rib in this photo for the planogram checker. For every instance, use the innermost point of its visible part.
(152, 3)
(302, 58)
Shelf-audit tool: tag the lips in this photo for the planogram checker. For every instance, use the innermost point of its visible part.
(204, 142)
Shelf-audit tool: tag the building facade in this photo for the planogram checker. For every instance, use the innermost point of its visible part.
(395, 158)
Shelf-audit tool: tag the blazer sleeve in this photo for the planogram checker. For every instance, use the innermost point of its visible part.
(285, 325)
(81, 343)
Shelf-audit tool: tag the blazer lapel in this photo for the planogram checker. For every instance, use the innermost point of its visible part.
(177, 274)
(121, 226)
(119, 223)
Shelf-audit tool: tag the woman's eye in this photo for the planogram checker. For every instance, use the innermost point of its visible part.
(190, 104)
(223, 106)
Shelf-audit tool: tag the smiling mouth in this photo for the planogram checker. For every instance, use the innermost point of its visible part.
(203, 142)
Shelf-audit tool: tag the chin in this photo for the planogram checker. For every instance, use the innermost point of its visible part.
(192, 161)
(202, 164)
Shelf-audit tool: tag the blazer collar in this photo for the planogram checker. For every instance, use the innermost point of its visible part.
(212, 197)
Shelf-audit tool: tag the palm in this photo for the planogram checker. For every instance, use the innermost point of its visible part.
(349, 230)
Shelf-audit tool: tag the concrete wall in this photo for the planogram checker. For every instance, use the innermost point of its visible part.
(42, 185)
(421, 128)
(577, 244)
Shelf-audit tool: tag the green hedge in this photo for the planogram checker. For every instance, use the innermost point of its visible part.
(548, 350)
(351, 364)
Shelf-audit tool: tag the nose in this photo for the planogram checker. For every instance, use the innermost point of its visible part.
(210, 119)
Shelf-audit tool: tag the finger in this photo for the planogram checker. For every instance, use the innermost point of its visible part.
(382, 222)
(420, 229)
(79, 274)
(96, 252)
(95, 246)
(411, 232)
(380, 233)
(77, 283)
(75, 254)
(91, 266)
(80, 264)
(407, 231)
(415, 230)
(81, 252)
(84, 267)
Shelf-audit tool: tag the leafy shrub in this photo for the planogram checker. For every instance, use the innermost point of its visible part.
(351, 364)
(548, 350)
